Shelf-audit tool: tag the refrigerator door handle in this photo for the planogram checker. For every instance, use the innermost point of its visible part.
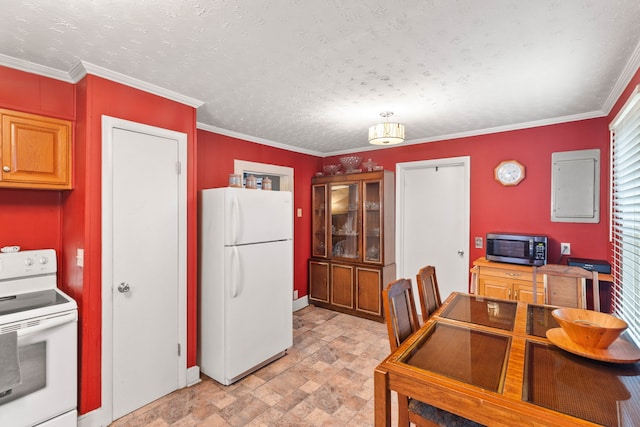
(235, 271)
(235, 213)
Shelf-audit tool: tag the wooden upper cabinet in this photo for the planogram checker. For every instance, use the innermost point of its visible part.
(35, 151)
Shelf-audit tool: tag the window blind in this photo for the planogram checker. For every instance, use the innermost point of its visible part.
(625, 213)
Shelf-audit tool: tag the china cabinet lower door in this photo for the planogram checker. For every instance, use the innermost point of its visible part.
(342, 285)
(319, 281)
(369, 284)
(353, 289)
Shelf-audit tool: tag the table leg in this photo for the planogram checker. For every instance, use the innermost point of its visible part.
(382, 398)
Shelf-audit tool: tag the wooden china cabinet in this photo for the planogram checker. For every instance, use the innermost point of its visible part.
(353, 252)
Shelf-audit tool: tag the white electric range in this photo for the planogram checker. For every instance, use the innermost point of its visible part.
(38, 343)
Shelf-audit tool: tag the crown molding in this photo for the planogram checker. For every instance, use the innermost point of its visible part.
(139, 84)
(263, 141)
(78, 72)
(30, 67)
(630, 69)
(478, 132)
(83, 68)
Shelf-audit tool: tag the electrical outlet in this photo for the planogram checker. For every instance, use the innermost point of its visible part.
(80, 257)
(565, 248)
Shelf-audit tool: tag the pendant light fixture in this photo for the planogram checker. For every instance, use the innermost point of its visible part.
(386, 133)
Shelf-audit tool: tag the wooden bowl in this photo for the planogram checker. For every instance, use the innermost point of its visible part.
(588, 328)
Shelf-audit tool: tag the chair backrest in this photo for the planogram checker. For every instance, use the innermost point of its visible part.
(399, 311)
(566, 286)
(428, 290)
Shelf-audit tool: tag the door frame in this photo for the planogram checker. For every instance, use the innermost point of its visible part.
(108, 125)
(285, 172)
(401, 168)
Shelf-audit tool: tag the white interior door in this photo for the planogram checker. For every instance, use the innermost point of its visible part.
(433, 221)
(144, 257)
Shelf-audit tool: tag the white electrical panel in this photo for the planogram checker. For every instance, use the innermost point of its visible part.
(575, 186)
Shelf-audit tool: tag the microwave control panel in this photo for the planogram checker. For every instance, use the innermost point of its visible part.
(540, 250)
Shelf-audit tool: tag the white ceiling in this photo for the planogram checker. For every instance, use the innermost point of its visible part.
(315, 74)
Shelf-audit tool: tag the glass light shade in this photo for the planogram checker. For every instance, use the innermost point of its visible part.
(386, 134)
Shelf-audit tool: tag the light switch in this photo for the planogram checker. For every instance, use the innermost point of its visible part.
(299, 212)
(80, 258)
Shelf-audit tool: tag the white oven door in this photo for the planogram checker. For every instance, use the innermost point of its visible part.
(47, 357)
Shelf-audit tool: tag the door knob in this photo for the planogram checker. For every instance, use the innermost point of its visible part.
(461, 252)
(123, 287)
(6, 168)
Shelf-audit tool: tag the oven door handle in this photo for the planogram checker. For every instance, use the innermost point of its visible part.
(49, 322)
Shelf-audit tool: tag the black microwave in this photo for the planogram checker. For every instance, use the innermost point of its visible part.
(522, 249)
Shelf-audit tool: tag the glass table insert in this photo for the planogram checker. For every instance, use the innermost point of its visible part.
(539, 320)
(464, 354)
(484, 311)
(595, 391)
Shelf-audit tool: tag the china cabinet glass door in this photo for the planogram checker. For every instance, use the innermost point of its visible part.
(345, 220)
(372, 221)
(319, 223)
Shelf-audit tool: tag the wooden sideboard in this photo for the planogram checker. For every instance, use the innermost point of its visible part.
(515, 282)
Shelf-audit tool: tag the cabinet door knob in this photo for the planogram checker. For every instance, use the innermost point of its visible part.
(6, 168)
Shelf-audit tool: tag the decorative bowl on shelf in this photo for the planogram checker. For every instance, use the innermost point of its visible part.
(330, 169)
(350, 162)
(369, 165)
(591, 329)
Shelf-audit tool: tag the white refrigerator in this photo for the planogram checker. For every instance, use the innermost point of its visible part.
(246, 280)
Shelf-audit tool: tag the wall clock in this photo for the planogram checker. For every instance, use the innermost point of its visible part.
(509, 172)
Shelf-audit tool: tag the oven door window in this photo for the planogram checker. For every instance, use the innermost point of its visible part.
(47, 354)
(33, 371)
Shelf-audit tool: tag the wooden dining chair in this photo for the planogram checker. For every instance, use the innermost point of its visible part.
(428, 291)
(566, 286)
(401, 318)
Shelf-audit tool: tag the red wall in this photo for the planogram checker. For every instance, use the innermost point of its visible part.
(31, 218)
(36, 94)
(216, 155)
(525, 208)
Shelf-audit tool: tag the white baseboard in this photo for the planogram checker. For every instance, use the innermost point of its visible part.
(193, 375)
(94, 418)
(300, 303)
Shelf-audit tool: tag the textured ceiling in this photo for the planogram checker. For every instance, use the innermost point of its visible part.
(316, 74)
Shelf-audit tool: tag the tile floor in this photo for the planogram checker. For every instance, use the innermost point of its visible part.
(326, 379)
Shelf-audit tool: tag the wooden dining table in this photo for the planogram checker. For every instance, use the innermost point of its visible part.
(489, 360)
